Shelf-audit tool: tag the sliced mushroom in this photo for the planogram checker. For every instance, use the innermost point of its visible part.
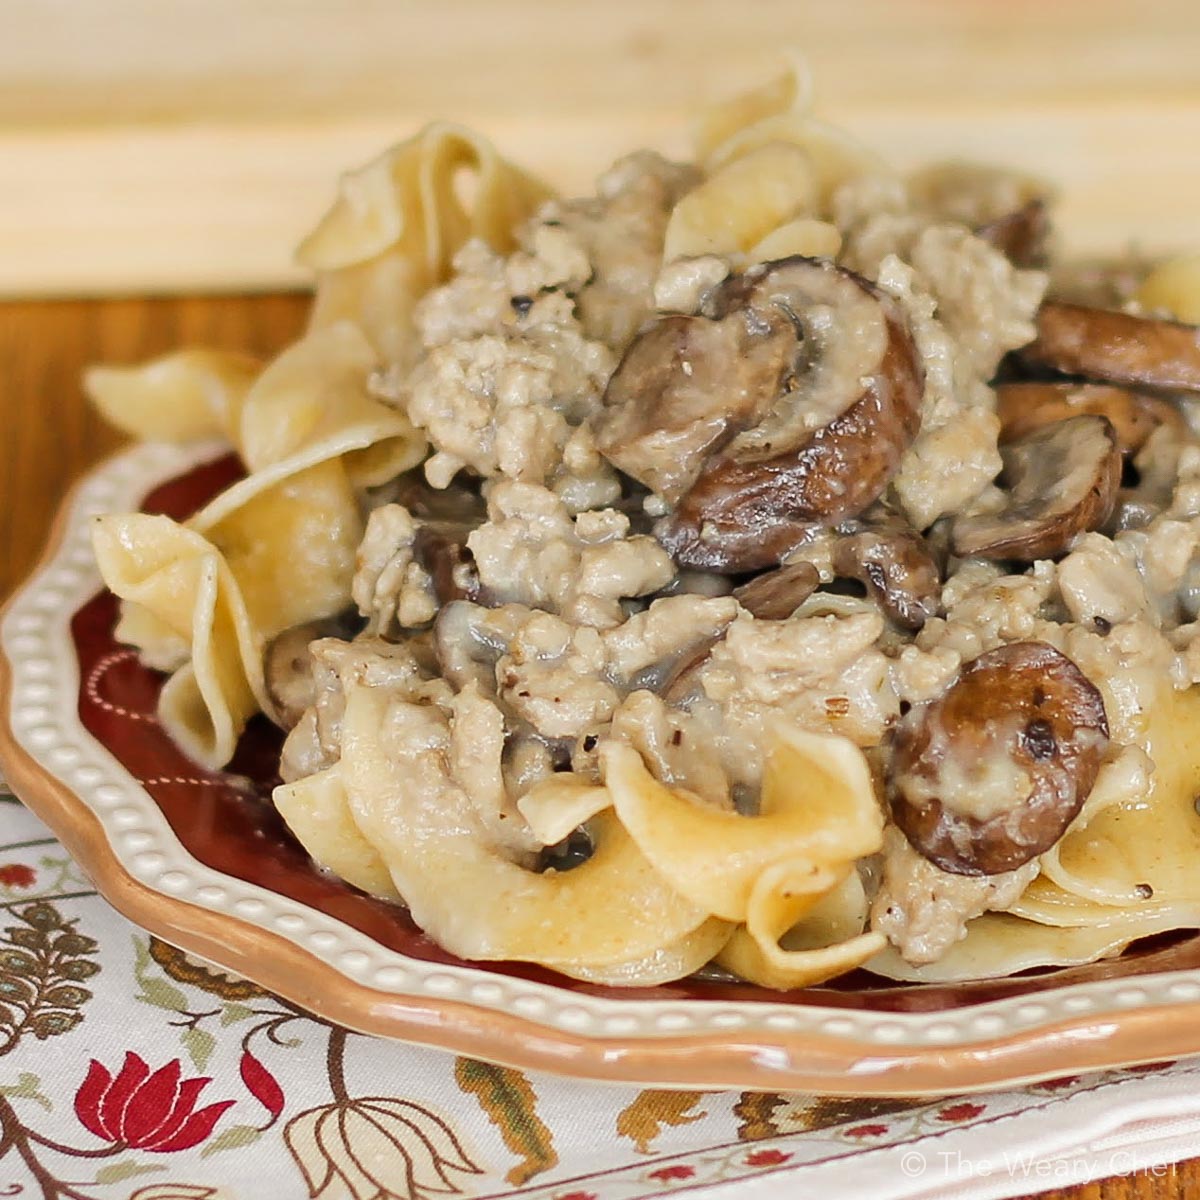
(288, 666)
(1020, 235)
(682, 684)
(831, 439)
(457, 504)
(685, 387)
(895, 565)
(828, 400)
(1062, 481)
(1116, 347)
(1024, 407)
(990, 775)
(441, 548)
(775, 595)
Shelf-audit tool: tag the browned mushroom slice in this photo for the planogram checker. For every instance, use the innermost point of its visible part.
(896, 566)
(288, 666)
(681, 685)
(1024, 407)
(1116, 347)
(456, 504)
(441, 548)
(1063, 481)
(991, 774)
(1019, 235)
(775, 595)
(685, 387)
(829, 440)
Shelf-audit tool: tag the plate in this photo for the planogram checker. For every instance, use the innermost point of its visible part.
(201, 860)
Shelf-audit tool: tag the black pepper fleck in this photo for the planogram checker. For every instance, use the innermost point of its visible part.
(1103, 625)
(1039, 739)
(589, 743)
(521, 305)
(1144, 891)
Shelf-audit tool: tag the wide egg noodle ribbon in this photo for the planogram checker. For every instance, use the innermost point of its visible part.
(1142, 848)
(818, 809)
(316, 811)
(285, 556)
(791, 91)
(1000, 944)
(767, 121)
(312, 405)
(769, 173)
(795, 936)
(742, 202)
(180, 580)
(399, 221)
(611, 917)
(180, 397)
(818, 816)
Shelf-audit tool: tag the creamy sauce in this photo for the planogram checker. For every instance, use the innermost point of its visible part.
(981, 788)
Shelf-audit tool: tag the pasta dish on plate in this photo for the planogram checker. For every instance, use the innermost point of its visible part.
(771, 563)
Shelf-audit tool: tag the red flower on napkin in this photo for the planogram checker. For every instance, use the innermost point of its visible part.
(666, 1174)
(959, 1112)
(865, 1131)
(146, 1111)
(262, 1085)
(17, 875)
(766, 1158)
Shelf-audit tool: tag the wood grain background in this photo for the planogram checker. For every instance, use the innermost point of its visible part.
(149, 146)
(49, 436)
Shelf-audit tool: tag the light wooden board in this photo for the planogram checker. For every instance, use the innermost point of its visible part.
(175, 145)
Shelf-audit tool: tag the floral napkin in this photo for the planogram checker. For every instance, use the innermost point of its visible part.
(129, 1071)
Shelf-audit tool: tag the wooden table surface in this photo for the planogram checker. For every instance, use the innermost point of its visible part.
(50, 436)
